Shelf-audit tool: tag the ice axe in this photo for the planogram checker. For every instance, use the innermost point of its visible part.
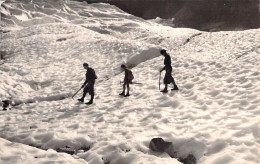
(76, 92)
(160, 81)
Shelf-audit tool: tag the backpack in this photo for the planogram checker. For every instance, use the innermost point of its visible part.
(92, 73)
(130, 75)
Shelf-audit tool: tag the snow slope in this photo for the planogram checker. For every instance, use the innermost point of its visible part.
(215, 115)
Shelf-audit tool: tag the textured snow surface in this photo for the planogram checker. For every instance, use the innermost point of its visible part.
(215, 115)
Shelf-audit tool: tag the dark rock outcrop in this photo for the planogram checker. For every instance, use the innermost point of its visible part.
(190, 159)
(159, 145)
(208, 15)
(215, 15)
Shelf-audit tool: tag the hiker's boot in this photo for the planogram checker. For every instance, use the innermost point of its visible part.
(81, 100)
(91, 100)
(175, 87)
(122, 94)
(164, 91)
(127, 95)
(83, 96)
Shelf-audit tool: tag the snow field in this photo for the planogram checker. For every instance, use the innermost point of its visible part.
(19, 153)
(214, 115)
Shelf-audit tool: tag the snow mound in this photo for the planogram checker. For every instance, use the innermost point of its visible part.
(12, 152)
(145, 55)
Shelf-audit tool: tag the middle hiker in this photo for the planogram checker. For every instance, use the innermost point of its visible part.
(127, 80)
(90, 81)
(168, 69)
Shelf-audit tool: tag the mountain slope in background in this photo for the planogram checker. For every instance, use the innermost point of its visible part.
(214, 116)
(206, 15)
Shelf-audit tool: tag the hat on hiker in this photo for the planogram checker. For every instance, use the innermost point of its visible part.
(163, 51)
(123, 66)
(85, 64)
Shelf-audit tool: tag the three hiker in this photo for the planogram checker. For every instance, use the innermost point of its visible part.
(90, 81)
(127, 80)
(168, 72)
(91, 77)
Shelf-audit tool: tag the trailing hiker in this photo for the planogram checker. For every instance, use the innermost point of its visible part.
(168, 72)
(90, 81)
(6, 104)
(127, 80)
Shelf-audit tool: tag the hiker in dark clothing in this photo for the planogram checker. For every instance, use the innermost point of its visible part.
(127, 80)
(168, 69)
(6, 104)
(90, 81)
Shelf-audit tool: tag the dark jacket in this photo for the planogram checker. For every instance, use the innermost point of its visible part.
(128, 76)
(90, 76)
(168, 69)
(167, 62)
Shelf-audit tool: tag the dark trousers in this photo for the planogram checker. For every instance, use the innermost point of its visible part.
(168, 76)
(126, 83)
(89, 88)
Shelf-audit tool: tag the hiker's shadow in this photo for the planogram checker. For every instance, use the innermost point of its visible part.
(70, 112)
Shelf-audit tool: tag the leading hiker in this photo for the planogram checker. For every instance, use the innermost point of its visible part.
(168, 72)
(90, 81)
